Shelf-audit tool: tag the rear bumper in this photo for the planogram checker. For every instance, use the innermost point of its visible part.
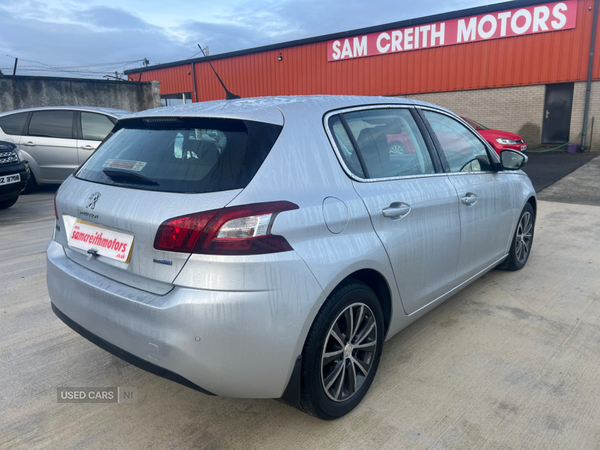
(120, 353)
(234, 344)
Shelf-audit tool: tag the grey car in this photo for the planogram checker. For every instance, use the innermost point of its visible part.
(268, 247)
(56, 140)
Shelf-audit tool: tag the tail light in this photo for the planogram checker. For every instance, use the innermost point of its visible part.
(239, 230)
(55, 210)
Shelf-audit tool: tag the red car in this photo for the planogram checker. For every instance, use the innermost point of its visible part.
(500, 140)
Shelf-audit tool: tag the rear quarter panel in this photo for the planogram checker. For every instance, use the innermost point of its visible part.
(302, 168)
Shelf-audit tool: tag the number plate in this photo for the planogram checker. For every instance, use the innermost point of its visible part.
(110, 243)
(8, 179)
(523, 148)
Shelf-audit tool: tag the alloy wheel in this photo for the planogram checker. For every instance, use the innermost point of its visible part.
(524, 237)
(348, 352)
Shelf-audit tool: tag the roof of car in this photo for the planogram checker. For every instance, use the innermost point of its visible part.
(117, 113)
(271, 109)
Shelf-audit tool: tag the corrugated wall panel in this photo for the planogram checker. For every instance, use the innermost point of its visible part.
(551, 57)
(173, 80)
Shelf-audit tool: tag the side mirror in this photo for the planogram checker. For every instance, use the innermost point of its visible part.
(512, 159)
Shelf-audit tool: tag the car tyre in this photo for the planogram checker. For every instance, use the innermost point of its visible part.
(8, 203)
(342, 351)
(520, 248)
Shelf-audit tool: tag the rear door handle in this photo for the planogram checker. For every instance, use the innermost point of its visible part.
(88, 147)
(469, 199)
(29, 144)
(396, 210)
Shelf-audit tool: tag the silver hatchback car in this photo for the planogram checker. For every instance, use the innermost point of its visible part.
(56, 140)
(268, 247)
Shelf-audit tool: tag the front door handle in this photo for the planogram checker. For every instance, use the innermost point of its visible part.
(469, 199)
(29, 144)
(547, 113)
(396, 210)
(88, 147)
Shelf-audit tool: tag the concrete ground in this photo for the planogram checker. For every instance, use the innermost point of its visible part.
(511, 362)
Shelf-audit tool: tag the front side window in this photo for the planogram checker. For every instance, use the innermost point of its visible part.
(181, 155)
(14, 123)
(52, 124)
(463, 151)
(95, 127)
(388, 140)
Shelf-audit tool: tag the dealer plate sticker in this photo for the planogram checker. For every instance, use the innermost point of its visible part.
(8, 179)
(110, 243)
(124, 164)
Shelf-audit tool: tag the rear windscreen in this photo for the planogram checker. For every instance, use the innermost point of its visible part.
(181, 155)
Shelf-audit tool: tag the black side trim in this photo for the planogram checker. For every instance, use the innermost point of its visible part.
(126, 356)
(433, 153)
(291, 395)
(504, 264)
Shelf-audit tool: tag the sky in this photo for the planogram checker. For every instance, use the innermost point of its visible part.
(97, 38)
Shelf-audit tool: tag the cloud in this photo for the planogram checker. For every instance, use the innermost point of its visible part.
(112, 19)
(90, 36)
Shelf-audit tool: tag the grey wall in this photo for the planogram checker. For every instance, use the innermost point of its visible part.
(30, 92)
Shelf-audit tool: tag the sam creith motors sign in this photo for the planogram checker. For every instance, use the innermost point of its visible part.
(514, 22)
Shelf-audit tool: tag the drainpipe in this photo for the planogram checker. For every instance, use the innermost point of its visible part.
(588, 90)
(194, 77)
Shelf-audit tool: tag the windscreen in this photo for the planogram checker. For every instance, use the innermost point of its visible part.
(181, 155)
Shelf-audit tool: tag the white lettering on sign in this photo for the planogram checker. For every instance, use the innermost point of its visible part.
(381, 46)
(466, 32)
(503, 18)
(525, 23)
(561, 18)
(438, 34)
(540, 16)
(514, 22)
(493, 24)
(360, 47)
(396, 41)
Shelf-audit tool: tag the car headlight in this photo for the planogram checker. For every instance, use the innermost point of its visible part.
(505, 141)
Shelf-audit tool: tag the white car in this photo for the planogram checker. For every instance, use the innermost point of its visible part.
(56, 140)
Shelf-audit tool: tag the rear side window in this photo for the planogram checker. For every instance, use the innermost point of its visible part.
(95, 127)
(388, 140)
(53, 124)
(181, 155)
(14, 123)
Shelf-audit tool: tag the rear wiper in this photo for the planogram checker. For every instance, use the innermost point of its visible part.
(125, 174)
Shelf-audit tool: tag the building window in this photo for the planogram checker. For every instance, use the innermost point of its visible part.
(176, 99)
